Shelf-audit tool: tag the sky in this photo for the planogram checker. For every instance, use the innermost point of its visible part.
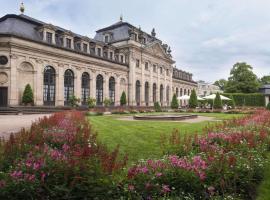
(206, 36)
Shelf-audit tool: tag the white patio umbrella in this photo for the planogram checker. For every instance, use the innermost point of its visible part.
(213, 96)
(184, 97)
(199, 98)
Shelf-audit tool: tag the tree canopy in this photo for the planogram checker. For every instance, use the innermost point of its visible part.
(265, 80)
(221, 83)
(242, 79)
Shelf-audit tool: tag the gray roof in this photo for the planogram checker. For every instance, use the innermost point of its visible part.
(265, 86)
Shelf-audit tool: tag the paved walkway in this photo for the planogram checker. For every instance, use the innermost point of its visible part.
(13, 123)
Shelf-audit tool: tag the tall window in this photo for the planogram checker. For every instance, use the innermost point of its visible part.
(85, 87)
(99, 90)
(154, 68)
(177, 92)
(49, 37)
(99, 51)
(160, 70)
(49, 86)
(146, 66)
(68, 43)
(185, 91)
(137, 63)
(112, 90)
(146, 93)
(111, 55)
(161, 94)
(168, 94)
(122, 59)
(85, 48)
(68, 85)
(106, 39)
(154, 92)
(181, 92)
(138, 91)
(167, 72)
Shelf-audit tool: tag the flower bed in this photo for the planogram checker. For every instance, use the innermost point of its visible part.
(226, 162)
(59, 158)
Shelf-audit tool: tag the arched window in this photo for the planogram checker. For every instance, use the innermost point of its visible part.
(146, 93)
(188, 92)
(168, 94)
(177, 92)
(138, 91)
(112, 89)
(161, 94)
(185, 91)
(85, 87)
(154, 92)
(49, 86)
(181, 92)
(99, 90)
(68, 85)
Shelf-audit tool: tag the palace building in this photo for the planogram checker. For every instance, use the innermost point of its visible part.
(59, 63)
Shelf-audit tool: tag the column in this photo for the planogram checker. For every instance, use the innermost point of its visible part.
(117, 91)
(39, 83)
(93, 85)
(59, 101)
(13, 90)
(106, 86)
(77, 84)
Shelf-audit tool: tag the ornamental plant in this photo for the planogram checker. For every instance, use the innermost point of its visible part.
(123, 99)
(28, 97)
(217, 102)
(174, 103)
(74, 101)
(157, 107)
(107, 102)
(91, 102)
(193, 101)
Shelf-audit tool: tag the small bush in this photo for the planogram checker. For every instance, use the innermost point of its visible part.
(157, 107)
(74, 101)
(217, 102)
(107, 102)
(28, 96)
(193, 101)
(123, 99)
(91, 102)
(174, 103)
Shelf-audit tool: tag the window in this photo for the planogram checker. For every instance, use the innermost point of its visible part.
(146, 93)
(160, 70)
(99, 51)
(154, 68)
(85, 48)
(154, 92)
(135, 36)
(122, 59)
(85, 87)
(68, 41)
(68, 85)
(49, 37)
(146, 66)
(99, 89)
(92, 50)
(167, 72)
(168, 95)
(161, 94)
(49, 86)
(138, 91)
(105, 55)
(106, 39)
(78, 46)
(112, 90)
(137, 63)
(111, 55)
(143, 40)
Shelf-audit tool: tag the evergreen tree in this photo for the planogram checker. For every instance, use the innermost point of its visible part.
(268, 106)
(123, 99)
(157, 107)
(231, 102)
(28, 95)
(217, 102)
(193, 101)
(174, 103)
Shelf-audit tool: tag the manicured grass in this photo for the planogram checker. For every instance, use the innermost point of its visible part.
(264, 188)
(141, 139)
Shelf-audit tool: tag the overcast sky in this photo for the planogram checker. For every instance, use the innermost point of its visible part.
(206, 36)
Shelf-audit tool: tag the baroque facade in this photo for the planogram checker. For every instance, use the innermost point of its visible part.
(59, 63)
(205, 89)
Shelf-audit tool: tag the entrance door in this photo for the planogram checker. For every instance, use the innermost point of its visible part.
(3, 96)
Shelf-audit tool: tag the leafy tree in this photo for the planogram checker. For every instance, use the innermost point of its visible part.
(91, 102)
(157, 107)
(268, 106)
(123, 99)
(217, 102)
(174, 103)
(221, 83)
(193, 101)
(265, 80)
(242, 79)
(28, 96)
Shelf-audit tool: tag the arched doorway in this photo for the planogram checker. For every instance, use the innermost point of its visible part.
(112, 90)
(49, 86)
(99, 89)
(85, 88)
(161, 94)
(146, 93)
(68, 85)
(138, 91)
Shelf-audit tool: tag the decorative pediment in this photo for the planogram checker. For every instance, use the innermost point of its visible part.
(156, 49)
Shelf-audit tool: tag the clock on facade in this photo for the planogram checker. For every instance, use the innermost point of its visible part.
(3, 60)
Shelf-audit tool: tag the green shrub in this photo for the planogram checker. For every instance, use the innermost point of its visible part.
(253, 99)
(193, 101)
(268, 106)
(174, 103)
(107, 102)
(157, 107)
(28, 96)
(123, 99)
(217, 102)
(73, 101)
(91, 102)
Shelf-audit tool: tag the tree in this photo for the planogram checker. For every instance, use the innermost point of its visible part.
(265, 80)
(221, 83)
(217, 102)
(28, 96)
(268, 106)
(193, 101)
(157, 107)
(174, 103)
(123, 99)
(242, 79)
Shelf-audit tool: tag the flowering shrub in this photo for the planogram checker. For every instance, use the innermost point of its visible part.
(58, 158)
(225, 162)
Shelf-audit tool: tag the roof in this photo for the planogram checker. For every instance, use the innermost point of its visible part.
(265, 86)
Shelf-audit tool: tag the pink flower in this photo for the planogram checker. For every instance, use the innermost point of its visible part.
(2, 183)
(43, 175)
(16, 174)
(158, 174)
(131, 187)
(165, 189)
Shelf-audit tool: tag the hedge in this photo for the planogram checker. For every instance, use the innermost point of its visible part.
(241, 99)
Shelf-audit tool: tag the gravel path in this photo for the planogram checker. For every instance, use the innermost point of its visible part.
(13, 123)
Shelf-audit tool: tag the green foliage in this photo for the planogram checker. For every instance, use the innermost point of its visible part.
(193, 101)
(268, 106)
(241, 99)
(107, 102)
(73, 101)
(91, 102)
(242, 79)
(28, 96)
(174, 103)
(157, 107)
(123, 99)
(221, 83)
(231, 102)
(218, 102)
(265, 80)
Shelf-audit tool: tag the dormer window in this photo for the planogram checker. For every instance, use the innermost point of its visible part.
(85, 47)
(49, 37)
(143, 40)
(107, 38)
(121, 58)
(137, 63)
(154, 68)
(135, 36)
(146, 66)
(99, 51)
(68, 43)
(111, 55)
(160, 70)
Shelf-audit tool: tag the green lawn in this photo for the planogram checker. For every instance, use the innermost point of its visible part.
(264, 188)
(141, 139)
